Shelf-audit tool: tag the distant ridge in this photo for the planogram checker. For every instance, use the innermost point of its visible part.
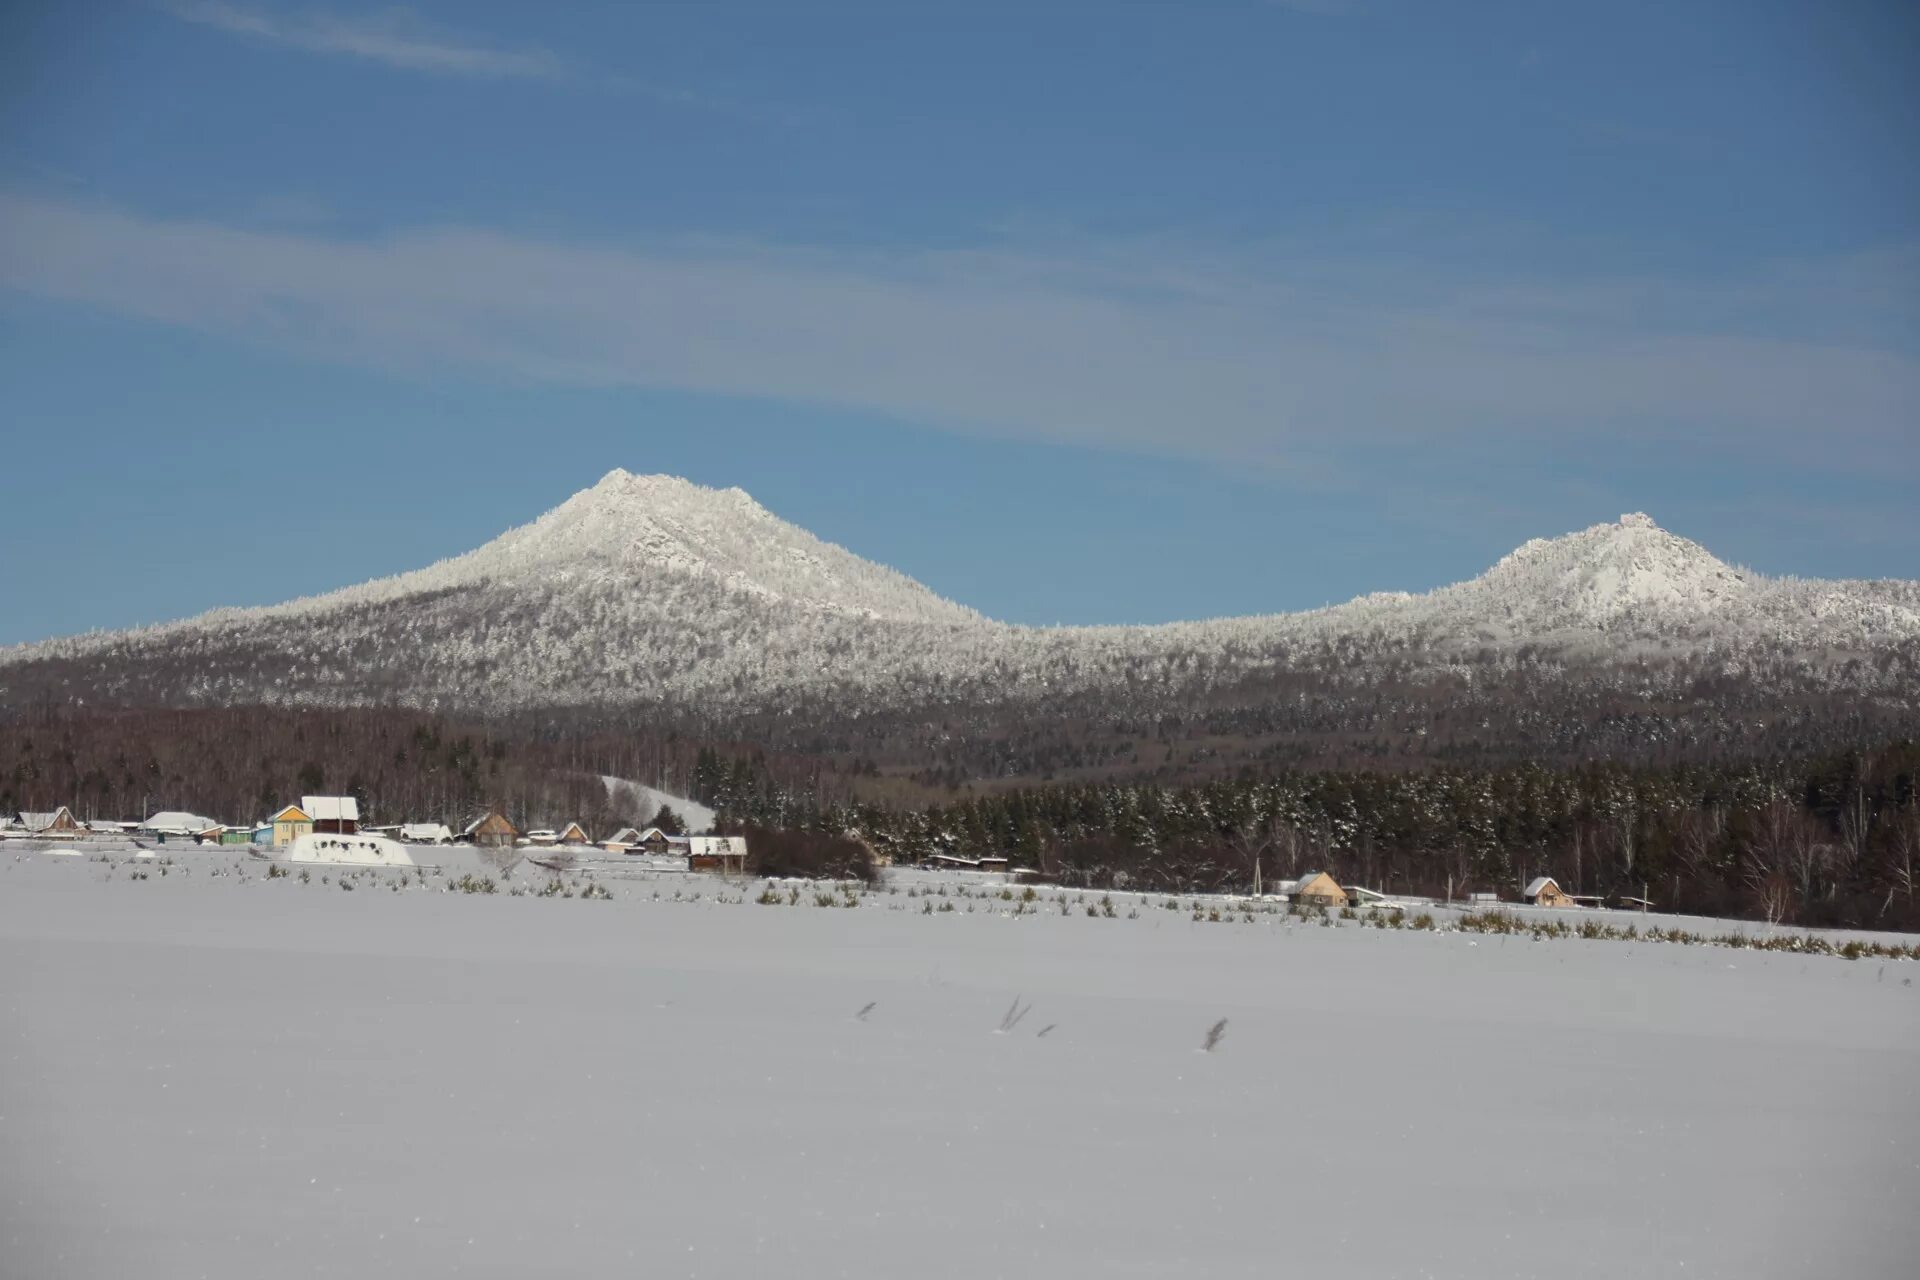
(650, 591)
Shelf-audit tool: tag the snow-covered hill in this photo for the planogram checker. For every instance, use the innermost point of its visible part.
(649, 590)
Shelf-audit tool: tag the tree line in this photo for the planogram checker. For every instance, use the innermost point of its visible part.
(1828, 840)
(1812, 838)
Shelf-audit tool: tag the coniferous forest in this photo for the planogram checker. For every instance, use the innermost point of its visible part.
(1825, 839)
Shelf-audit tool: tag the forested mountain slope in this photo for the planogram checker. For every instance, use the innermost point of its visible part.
(648, 595)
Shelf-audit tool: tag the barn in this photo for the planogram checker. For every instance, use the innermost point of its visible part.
(289, 825)
(58, 825)
(725, 854)
(333, 815)
(1318, 889)
(1545, 891)
(491, 831)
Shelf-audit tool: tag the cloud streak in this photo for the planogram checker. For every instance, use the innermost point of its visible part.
(391, 40)
(1252, 357)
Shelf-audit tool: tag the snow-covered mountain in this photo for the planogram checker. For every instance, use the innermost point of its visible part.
(649, 591)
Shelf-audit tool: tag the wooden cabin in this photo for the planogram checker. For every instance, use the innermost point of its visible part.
(725, 854)
(58, 825)
(1545, 891)
(289, 825)
(333, 815)
(1318, 889)
(492, 831)
(572, 833)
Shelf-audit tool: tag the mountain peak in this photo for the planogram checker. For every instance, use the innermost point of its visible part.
(628, 530)
(1601, 575)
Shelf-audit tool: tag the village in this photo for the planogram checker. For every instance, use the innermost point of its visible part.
(329, 829)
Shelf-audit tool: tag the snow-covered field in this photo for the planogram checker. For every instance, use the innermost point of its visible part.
(209, 1073)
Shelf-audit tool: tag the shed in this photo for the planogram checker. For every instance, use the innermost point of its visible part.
(492, 831)
(725, 854)
(176, 822)
(1318, 889)
(58, 825)
(237, 835)
(426, 833)
(1545, 891)
(289, 825)
(621, 841)
(572, 833)
(333, 815)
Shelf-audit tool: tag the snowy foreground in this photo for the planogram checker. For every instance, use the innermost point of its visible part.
(210, 1073)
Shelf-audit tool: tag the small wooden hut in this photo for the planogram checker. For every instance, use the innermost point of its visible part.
(572, 833)
(725, 854)
(492, 831)
(1545, 891)
(1318, 889)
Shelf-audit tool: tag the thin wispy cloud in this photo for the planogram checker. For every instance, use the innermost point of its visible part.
(394, 39)
(1231, 356)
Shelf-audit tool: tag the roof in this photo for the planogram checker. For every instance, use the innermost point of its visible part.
(292, 813)
(625, 835)
(481, 821)
(425, 831)
(178, 820)
(41, 821)
(1541, 882)
(331, 808)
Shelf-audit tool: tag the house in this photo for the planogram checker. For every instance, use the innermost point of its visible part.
(426, 833)
(333, 815)
(572, 833)
(725, 854)
(621, 841)
(175, 822)
(289, 825)
(1318, 889)
(1544, 891)
(491, 831)
(58, 825)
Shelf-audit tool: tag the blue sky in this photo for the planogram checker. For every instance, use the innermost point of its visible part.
(1105, 312)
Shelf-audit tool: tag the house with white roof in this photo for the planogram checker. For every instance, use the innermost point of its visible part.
(332, 815)
(1545, 891)
(57, 825)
